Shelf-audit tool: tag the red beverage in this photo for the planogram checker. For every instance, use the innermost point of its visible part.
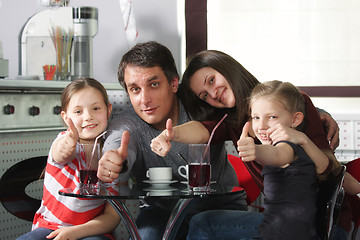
(88, 177)
(199, 176)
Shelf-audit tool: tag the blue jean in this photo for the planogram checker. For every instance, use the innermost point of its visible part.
(240, 225)
(338, 233)
(152, 220)
(224, 224)
(41, 233)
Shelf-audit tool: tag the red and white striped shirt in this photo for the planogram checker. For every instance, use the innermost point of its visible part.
(58, 211)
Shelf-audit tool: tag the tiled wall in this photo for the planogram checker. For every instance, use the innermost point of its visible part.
(349, 148)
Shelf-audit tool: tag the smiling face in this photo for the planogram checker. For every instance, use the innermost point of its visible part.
(266, 112)
(151, 95)
(88, 112)
(210, 86)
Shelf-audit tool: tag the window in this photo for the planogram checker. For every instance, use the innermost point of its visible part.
(306, 42)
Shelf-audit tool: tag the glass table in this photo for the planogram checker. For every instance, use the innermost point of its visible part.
(185, 198)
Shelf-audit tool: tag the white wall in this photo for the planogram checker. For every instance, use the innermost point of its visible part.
(156, 20)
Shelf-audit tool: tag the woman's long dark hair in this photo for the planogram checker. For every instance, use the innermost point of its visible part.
(240, 80)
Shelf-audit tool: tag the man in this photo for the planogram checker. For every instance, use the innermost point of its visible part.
(148, 73)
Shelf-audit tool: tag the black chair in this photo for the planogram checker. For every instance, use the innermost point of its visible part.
(330, 198)
(13, 183)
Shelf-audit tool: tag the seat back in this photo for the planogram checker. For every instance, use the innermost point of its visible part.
(13, 183)
(353, 168)
(329, 203)
(245, 179)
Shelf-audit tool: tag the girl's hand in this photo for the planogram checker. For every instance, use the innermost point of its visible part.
(246, 145)
(280, 132)
(64, 148)
(64, 233)
(73, 135)
(161, 144)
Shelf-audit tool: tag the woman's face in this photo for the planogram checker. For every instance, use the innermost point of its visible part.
(210, 86)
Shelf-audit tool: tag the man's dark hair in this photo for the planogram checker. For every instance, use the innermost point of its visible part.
(148, 54)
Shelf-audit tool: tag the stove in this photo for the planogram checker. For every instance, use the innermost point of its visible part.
(30, 121)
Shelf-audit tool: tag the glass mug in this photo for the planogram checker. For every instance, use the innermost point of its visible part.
(198, 171)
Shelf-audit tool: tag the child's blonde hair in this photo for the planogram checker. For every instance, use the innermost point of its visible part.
(283, 92)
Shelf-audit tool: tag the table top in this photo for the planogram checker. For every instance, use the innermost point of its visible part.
(145, 191)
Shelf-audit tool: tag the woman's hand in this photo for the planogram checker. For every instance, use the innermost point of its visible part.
(161, 144)
(331, 128)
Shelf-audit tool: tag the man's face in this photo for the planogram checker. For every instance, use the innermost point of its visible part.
(151, 95)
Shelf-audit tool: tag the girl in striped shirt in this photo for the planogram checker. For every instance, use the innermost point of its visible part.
(85, 110)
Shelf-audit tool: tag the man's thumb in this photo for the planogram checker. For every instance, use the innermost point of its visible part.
(123, 149)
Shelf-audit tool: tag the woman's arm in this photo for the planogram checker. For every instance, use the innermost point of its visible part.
(190, 132)
(102, 224)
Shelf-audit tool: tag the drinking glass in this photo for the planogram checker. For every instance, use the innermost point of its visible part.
(199, 168)
(89, 164)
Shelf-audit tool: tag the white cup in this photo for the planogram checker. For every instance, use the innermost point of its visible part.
(159, 174)
(186, 169)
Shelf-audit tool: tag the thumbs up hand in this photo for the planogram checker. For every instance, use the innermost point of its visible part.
(246, 145)
(161, 144)
(114, 161)
(63, 149)
(73, 135)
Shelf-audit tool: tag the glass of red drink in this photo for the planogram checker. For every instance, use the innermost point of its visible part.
(199, 168)
(90, 156)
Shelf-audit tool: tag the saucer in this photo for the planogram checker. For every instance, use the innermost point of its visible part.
(159, 192)
(160, 184)
(157, 189)
(187, 183)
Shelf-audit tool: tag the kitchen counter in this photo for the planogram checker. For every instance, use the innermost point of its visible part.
(7, 84)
